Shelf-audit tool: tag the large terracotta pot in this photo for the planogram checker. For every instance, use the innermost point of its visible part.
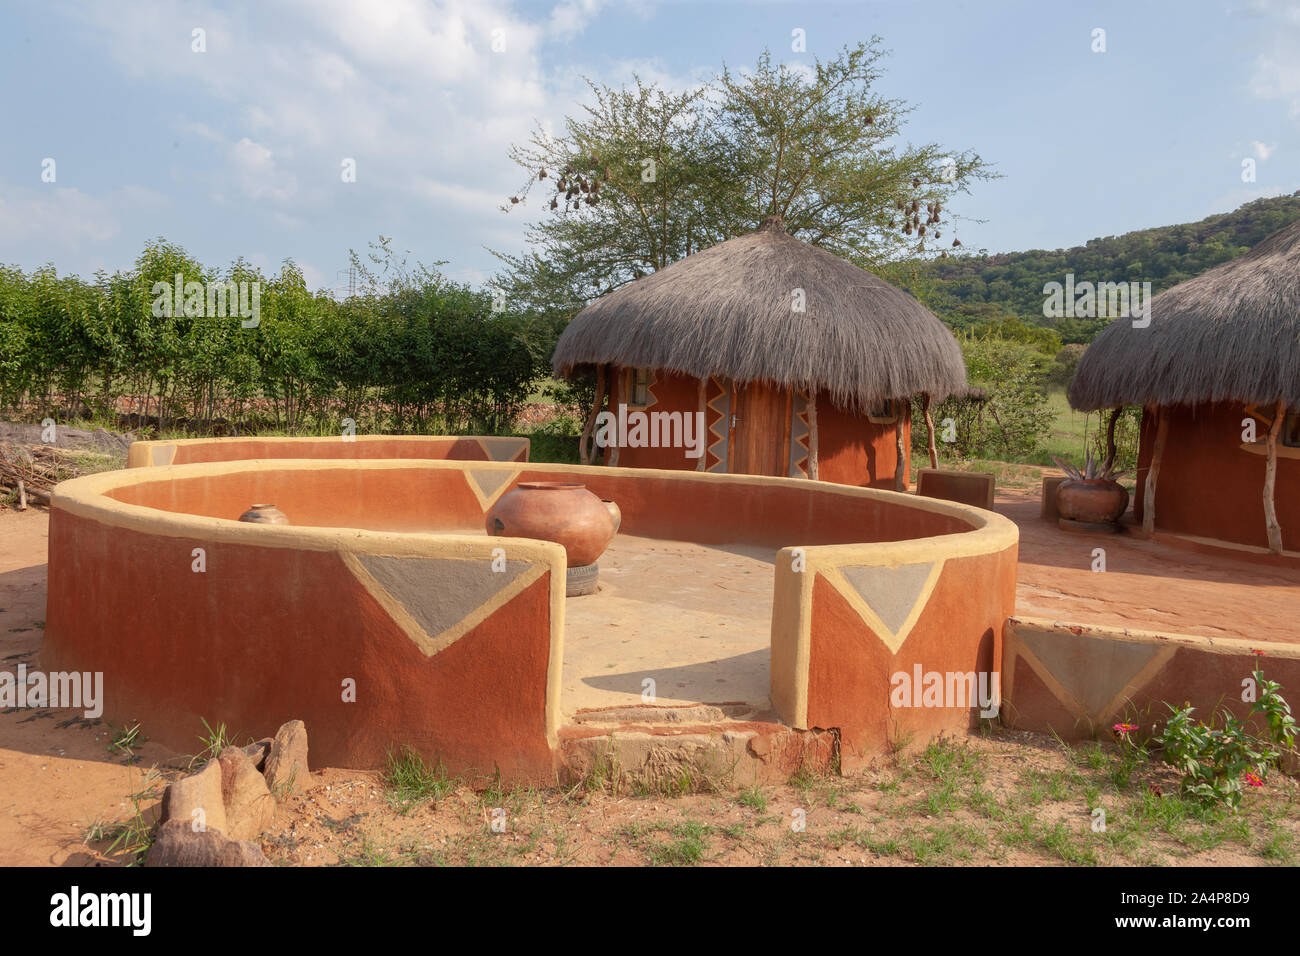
(567, 514)
(1094, 500)
(264, 514)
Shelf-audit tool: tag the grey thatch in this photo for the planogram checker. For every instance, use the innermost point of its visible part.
(1230, 334)
(727, 311)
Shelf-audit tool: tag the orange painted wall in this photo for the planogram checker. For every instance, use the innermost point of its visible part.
(850, 668)
(853, 450)
(438, 499)
(267, 635)
(672, 393)
(1208, 485)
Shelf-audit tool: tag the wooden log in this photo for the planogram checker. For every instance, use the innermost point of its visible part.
(929, 431)
(1271, 524)
(1153, 472)
(813, 467)
(624, 387)
(900, 465)
(584, 456)
(22, 496)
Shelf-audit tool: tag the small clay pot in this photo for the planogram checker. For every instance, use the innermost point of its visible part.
(563, 512)
(1094, 500)
(615, 512)
(264, 514)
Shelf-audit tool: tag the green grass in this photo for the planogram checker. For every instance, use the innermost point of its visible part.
(410, 780)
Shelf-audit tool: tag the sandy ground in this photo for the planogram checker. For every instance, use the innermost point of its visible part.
(59, 777)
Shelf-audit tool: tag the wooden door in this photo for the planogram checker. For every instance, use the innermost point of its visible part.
(760, 430)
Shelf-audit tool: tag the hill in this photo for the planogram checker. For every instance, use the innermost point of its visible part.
(970, 291)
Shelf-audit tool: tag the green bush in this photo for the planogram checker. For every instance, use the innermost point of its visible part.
(411, 352)
(1010, 422)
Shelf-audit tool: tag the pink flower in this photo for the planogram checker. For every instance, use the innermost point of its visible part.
(1124, 729)
(1253, 780)
(1257, 653)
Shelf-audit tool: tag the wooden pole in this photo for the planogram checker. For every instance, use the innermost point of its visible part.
(624, 383)
(929, 431)
(704, 417)
(812, 434)
(1153, 471)
(584, 455)
(1110, 437)
(1271, 524)
(900, 466)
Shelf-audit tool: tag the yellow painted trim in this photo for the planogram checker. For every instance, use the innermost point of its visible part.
(1211, 645)
(486, 501)
(891, 639)
(1140, 680)
(139, 454)
(431, 644)
(1261, 449)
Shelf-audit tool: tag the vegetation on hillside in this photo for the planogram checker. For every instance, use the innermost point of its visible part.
(965, 288)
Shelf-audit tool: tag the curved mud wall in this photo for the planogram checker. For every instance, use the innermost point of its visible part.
(188, 451)
(378, 624)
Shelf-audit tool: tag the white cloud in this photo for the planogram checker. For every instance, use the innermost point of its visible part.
(256, 172)
(1262, 150)
(65, 218)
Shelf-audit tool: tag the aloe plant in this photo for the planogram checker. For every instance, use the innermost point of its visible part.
(1093, 470)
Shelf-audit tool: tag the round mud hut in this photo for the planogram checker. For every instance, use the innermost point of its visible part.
(1217, 373)
(762, 355)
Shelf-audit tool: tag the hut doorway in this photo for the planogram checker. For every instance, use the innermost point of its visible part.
(759, 440)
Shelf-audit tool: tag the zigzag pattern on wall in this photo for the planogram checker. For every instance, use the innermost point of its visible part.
(720, 404)
(650, 390)
(798, 437)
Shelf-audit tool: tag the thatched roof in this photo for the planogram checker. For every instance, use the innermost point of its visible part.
(727, 311)
(1230, 334)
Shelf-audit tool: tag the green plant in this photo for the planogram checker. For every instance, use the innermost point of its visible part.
(1216, 762)
(409, 779)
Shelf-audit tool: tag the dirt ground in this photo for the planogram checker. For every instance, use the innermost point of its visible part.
(68, 796)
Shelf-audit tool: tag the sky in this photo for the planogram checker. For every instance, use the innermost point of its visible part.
(239, 149)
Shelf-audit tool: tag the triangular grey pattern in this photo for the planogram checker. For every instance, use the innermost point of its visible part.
(1092, 670)
(890, 592)
(489, 482)
(501, 449)
(162, 454)
(439, 593)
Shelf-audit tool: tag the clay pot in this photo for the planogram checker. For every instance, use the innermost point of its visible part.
(1093, 500)
(565, 513)
(615, 512)
(264, 514)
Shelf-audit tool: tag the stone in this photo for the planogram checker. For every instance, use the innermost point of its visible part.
(286, 769)
(249, 804)
(177, 844)
(259, 751)
(198, 791)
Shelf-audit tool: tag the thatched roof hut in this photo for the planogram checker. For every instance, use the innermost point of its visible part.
(1217, 371)
(730, 311)
(1230, 334)
(737, 329)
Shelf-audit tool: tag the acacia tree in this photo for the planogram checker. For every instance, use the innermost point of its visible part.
(644, 176)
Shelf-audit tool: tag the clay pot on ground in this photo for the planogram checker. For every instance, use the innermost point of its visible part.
(615, 512)
(264, 514)
(565, 513)
(1091, 500)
